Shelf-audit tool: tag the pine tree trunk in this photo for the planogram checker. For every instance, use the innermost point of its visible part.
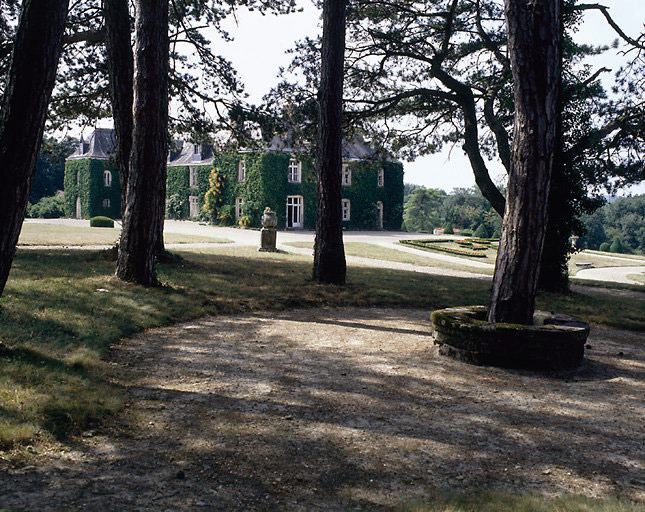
(29, 84)
(329, 252)
(140, 234)
(121, 70)
(534, 48)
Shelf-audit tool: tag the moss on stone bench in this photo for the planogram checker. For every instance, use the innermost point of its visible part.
(553, 342)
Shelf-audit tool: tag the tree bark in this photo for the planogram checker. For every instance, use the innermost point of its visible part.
(329, 252)
(36, 51)
(140, 234)
(121, 71)
(534, 47)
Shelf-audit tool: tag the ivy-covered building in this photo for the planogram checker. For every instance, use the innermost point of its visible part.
(277, 176)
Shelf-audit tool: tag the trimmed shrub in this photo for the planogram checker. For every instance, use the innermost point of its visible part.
(616, 246)
(174, 207)
(466, 232)
(604, 247)
(481, 232)
(447, 230)
(101, 222)
(48, 208)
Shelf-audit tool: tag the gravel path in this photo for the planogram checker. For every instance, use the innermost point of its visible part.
(339, 409)
(613, 274)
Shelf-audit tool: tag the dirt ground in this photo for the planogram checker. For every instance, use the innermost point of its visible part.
(340, 409)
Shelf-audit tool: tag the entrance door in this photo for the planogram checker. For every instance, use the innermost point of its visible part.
(294, 212)
(78, 207)
(379, 212)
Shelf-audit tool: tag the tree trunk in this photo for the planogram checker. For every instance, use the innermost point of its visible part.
(329, 252)
(29, 85)
(534, 47)
(121, 70)
(139, 238)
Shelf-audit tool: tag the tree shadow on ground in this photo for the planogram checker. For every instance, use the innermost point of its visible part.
(339, 409)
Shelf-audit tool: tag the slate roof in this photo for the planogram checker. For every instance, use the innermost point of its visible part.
(101, 145)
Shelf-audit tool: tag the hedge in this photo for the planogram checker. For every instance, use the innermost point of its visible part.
(101, 222)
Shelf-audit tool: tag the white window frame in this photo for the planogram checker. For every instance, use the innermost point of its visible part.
(106, 203)
(241, 171)
(78, 177)
(346, 206)
(193, 206)
(295, 171)
(196, 149)
(107, 178)
(346, 175)
(380, 180)
(239, 207)
(296, 202)
(192, 177)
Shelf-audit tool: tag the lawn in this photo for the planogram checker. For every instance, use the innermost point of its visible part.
(600, 260)
(54, 234)
(378, 252)
(61, 310)
(500, 501)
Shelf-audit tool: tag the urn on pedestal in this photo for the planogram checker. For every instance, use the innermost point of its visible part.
(268, 234)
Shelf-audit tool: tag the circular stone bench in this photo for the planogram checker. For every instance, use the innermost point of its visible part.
(553, 342)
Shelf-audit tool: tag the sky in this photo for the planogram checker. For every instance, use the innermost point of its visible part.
(261, 42)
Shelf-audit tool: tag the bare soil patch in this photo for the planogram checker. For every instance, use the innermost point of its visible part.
(340, 409)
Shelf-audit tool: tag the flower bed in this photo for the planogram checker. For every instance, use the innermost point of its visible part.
(553, 342)
(435, 245)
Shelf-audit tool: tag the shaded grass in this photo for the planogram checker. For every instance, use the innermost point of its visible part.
(499, 501)
(62, 309)
(55, 234)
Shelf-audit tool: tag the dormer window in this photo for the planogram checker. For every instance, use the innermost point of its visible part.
(192, 177)
(295, 171)
(196, 149)
(381, 177)
(241, 171)
(107, 178)
(347, 176)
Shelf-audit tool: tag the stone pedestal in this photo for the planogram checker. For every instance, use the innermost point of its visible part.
(268, 238)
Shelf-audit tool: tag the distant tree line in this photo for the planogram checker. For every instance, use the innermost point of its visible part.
(618, 226)
(464, 208)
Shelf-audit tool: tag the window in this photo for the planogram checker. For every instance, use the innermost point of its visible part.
(295, 211)
(107, 178)
(106, 203)
(78, 178)
(346, 209)
(381, 177)
(379, 213)
(239, 207)
(347, 176)
(193, 202)
(196, 149)
(192, 177)
(294, 171)
(241, 170)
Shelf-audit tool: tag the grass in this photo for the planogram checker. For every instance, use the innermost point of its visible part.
(499, 501)
(599, 261)
(378, 252)
(54, 234)
(639, 278)
(61, 310)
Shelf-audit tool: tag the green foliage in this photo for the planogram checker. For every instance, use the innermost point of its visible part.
(616, 246)
(447, 229)
(623, 219)
(174, 207)
(101, 222)
(604, 247)
(481, 232)
(214, 196)
(466, 232)
(48, 207)
(49, 174)
(421, 211)
(91, 188)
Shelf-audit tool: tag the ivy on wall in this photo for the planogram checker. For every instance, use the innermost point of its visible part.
(91, 188)
(265, 184)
